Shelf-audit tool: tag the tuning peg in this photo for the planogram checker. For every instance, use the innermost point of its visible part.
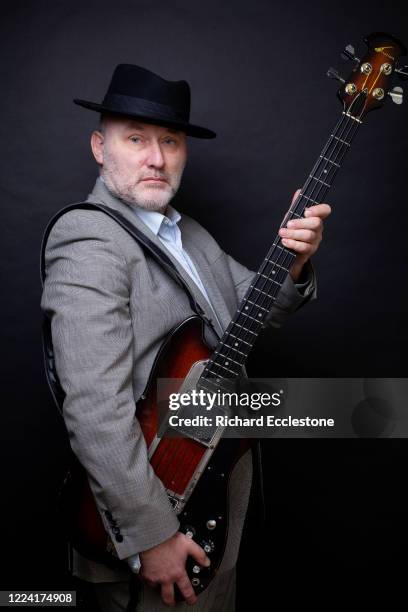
(396, 95)
(349, 54)
(332, 73)
(402, 72)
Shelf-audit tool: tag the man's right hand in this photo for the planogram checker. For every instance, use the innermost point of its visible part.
(165, 565)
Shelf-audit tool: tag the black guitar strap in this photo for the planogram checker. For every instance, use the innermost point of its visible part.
(51, 373)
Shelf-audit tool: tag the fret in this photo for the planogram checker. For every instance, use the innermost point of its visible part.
(244, 314)
(269, 279)
(233, 349)
(330, 161)
(263, 292)
(296, 215)
(277, 246)
(257, 305)
(216, 374)
(247, 315)
(242, 327)
(226, 369)
(202, 386)
(244, 341)
(320, 181)
(340, 140)
(275, 264)
(310, 199)
(228, 359)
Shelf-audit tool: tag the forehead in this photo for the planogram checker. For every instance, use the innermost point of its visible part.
(130, 124)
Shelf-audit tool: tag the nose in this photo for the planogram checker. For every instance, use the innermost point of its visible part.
(155, 158)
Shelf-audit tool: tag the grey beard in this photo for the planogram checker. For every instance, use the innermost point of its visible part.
(128, 198)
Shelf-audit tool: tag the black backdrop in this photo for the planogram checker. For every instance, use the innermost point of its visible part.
(257, 72)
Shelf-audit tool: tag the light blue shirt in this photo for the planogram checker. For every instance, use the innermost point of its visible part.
(166, 228)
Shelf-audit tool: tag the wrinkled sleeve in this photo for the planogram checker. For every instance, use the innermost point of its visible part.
(86, 295)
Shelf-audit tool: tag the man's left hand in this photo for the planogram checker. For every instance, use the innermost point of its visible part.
(304, 235)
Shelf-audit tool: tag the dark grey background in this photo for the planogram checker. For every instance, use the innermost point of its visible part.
(257, 72)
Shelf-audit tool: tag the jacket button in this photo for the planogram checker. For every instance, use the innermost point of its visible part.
(108, 515)
(119, 538)
(116, 530)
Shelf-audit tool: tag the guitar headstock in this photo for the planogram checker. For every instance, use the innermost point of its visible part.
(371, 81)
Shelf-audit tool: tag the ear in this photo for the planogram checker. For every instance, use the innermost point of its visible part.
(97, 140)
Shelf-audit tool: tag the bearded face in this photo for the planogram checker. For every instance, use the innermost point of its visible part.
(141, 163)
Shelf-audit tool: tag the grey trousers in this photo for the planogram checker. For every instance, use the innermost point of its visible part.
(218, 597)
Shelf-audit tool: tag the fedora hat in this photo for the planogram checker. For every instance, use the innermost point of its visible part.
(137, 92)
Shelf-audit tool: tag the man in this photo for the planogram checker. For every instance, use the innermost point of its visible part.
(111, 307)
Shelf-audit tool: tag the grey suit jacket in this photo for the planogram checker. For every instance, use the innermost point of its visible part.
(111, 307)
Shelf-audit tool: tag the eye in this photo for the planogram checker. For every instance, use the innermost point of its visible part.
(170, 140)
(136, 139)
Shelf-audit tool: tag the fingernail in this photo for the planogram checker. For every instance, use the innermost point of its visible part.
(285, 242)
(290, 224)
(207, 563)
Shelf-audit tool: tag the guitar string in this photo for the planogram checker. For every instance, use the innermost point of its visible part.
(319, 189)
(245, 322)
(329, 175)
(262, 301)
(339, 151)
(287, 254)
(344, 123)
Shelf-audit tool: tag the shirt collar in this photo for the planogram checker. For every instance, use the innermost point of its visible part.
(155, 220)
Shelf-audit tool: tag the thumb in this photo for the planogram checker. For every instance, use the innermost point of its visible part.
(296, 194)
(198, 554)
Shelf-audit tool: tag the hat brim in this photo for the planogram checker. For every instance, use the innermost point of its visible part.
(190, 129)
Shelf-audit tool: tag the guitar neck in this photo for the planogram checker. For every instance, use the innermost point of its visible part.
(238, 339)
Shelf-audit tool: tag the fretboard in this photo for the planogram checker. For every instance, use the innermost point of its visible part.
(238, 339)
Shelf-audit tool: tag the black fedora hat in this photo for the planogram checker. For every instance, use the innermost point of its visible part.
(137, 92)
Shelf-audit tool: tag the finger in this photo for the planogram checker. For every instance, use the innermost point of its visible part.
(198, 554)
(167, 593)
(141, 576)
(304, 248)
(304, 235)
(320, 210)
(187, 590)
(295, 195)
(314, 223)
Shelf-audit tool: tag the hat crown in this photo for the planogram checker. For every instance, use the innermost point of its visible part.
(138, 82)
(137, 92)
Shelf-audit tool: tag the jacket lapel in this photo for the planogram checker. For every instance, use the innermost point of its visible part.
(101, 194)
(207, 277)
